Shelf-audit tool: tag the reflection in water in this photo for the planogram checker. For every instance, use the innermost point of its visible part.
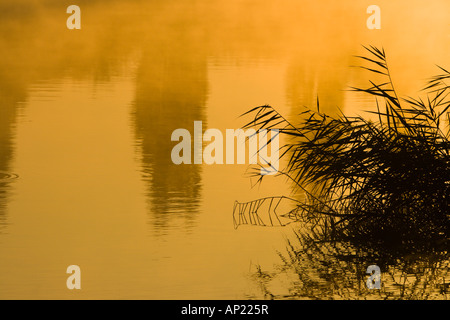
(319, 68)
(30, 54)
(171, 94)
(11, 94)
(319, 269)
(309, 80)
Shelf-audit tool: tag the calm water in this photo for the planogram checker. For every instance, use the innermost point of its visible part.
(86, 117)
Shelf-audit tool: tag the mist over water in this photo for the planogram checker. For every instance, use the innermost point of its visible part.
(86, 117)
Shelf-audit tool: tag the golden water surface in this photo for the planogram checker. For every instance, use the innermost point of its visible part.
(86, 118)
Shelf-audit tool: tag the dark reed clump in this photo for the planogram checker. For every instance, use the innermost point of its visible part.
(383, 181)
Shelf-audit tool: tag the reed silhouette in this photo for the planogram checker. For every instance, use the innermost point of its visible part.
(376, 189)
(385, 181)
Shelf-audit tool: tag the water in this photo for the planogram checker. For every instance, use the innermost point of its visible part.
(86, 117)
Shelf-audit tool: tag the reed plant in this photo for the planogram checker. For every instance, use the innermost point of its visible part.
(383, 180)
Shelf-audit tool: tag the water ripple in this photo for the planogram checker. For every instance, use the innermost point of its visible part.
(8, 176)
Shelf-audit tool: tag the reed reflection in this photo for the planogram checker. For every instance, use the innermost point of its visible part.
(321, 269)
